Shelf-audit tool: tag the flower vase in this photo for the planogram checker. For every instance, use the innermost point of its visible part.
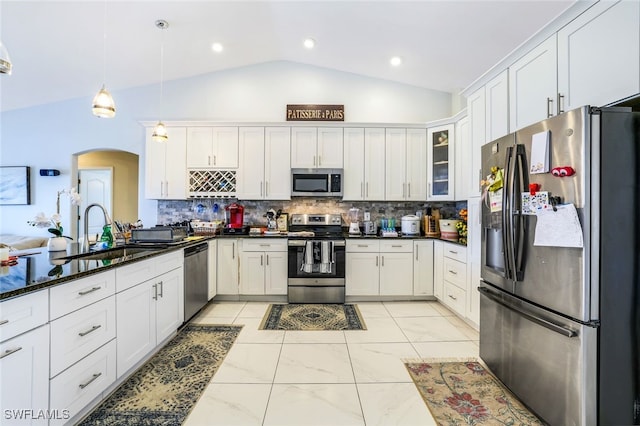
(57, 244)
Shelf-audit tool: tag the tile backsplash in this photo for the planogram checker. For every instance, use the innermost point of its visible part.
(170, 211)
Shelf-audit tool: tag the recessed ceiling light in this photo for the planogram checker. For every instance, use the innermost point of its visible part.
(396, 61)
(217, 47)
(309, 43)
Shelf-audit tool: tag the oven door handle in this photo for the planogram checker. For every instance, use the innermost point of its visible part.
(302, 243)
(567, 332)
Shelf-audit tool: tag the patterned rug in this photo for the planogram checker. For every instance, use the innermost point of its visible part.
(164, 390)
(464, 393)
(312, 317)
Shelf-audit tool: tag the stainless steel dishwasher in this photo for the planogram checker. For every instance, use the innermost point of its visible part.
(196, 286)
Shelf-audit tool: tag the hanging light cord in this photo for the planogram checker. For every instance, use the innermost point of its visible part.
(104, 45)
(161, 66)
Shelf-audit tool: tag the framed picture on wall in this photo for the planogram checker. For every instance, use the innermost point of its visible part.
(14, 185)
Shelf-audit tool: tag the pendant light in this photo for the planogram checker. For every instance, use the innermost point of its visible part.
(103, 104)
(160, 132)
(5, 61)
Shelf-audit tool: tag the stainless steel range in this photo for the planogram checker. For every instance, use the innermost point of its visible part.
(316, 259)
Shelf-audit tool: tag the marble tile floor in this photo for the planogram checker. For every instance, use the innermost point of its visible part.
(328, 378)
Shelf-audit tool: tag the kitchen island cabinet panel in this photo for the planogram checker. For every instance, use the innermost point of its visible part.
(23, 313)
(166, 165)
(24, 364)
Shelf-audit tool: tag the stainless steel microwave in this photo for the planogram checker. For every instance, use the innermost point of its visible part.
(316, 182)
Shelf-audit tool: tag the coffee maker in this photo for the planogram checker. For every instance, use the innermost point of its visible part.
(235, 219)
(370, 227)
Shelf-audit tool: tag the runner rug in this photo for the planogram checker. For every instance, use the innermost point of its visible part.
(312, 317)
(464, 393)
(164, 390)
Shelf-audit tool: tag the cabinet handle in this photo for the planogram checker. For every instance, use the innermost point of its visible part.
(363, 245)
(155, 292)
(84, 293)
(429, 191)
(266, 189)
(453, 297)
(396, 246)
(382, 260)
(362, 189)
(3, 322)
(319, 160)
(314, 160)
(267, 260)
(404, 187)
(261, 259)
(549, 107)
(261, 188)
(87, 383)
(10, 351)
(367, 191)
(417, 252)
(214, 160)
(560, 103)
(166, 188)
(161, 284)
(161, 188)
(453, 272)
(409, 190)
(233, 250)
(453, 252)
(91, 330)
(208, 160)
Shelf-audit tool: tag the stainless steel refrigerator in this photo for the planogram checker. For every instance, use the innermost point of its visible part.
(559, 326)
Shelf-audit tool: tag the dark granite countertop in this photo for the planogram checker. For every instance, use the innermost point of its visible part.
(38, 269)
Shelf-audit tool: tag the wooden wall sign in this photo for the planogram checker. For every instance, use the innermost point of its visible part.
(315, 112)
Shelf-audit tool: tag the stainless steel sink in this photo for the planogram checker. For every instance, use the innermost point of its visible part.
(113, 253)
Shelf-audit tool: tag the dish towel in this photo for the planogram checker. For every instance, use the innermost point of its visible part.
(326, 257)
(307, 265)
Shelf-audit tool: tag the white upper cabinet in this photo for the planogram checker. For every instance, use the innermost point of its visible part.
(264, 168)
(440, 170)
(405, 164)
(165, 165)
(364, 176)
(212, 147)
(497, 107)
(599, 55)
(313, 147)
(463, 169)
(476, 108)
(533, 85)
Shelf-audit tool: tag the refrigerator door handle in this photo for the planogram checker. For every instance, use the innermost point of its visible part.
(518, 219)
(557, 328)
(506, 214)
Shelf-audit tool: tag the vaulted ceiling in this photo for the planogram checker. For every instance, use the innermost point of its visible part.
(57, 46)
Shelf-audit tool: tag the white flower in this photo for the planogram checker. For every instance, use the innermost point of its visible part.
(54, 223)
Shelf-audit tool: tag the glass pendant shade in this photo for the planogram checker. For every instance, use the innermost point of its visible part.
(5, 61)
(103, 105)
(160, 133)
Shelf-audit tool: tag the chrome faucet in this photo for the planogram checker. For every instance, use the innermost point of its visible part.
(107, 221)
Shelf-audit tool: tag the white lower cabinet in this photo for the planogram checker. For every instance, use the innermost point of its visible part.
(227, 278)
(24, 364)
(454, 272)
(147, 314)
(423, 268)
(77, 386)
(379, 268)
(263, 267)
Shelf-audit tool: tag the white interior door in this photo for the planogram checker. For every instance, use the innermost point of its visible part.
(95, 186)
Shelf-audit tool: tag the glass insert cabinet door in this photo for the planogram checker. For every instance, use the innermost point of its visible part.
(440, 173)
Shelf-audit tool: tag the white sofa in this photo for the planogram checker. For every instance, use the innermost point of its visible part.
(21, 242)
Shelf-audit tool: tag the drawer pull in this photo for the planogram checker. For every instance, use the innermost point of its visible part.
(265, 245)
(3, 322)
(453, 297)
(397, 246)
(84, 333)
(95, 376)
(161, 284)
(453, 252)
(82, 293)
(453, 272)
(363, 245)
(10, 351)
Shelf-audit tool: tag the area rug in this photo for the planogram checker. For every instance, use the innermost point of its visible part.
(312, 317)
(164, 390)
(464, 393)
